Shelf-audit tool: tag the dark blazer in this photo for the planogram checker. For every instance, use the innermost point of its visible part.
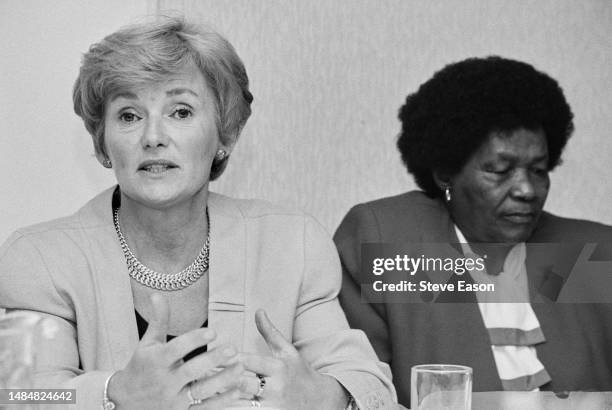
(578, 349)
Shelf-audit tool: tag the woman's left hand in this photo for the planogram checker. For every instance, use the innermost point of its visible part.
(290, 382)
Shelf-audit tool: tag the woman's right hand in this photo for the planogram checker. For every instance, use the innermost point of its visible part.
(156, 376)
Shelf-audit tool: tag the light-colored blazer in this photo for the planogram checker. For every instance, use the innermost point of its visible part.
(73, 270)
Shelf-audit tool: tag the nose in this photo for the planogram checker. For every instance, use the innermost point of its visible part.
(523, 186)
(154, 135)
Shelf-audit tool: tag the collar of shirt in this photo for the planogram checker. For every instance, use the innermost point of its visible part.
(510, 284)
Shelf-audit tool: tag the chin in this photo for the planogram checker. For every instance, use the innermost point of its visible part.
(159, 199)
(517, 234)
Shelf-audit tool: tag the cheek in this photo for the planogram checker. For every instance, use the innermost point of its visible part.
(206, 143)
(481, 197)
(205, 152)
(544, 186)
(117, 154)
(121, 154)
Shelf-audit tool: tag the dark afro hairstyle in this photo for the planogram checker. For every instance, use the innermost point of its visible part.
(452, 114)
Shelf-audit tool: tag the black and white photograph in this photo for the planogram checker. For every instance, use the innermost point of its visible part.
(296, 205)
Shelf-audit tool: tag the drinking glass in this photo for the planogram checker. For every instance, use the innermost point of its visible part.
(441, 387)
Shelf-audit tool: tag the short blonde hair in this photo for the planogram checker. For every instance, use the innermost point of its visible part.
(146, 53)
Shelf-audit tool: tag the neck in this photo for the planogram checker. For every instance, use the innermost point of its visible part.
(166, 238)
(495, 255)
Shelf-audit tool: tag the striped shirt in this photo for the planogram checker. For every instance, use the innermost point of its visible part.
(513, 328)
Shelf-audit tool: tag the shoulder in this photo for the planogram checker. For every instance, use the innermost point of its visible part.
(259, 215)
(57, 246)
(287, 240)
(411, 201)
(41, 263)
(553, 228)
(261, 222)
(250, 208)
(398, 217)
(65, 229)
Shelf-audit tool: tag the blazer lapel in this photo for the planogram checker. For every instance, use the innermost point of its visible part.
(464, 314)
(227, 271)
(442, 237)
(110, 277)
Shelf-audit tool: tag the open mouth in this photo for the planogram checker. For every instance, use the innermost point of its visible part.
(157, 167)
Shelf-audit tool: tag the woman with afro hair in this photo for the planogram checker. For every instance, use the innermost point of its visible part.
(480, 138)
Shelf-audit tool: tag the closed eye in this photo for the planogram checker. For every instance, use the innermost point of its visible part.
(498, 171)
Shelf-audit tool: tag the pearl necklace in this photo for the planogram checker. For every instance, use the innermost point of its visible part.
(160, 281)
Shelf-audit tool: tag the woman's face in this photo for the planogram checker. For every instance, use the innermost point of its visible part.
(499, 194)
(162, 138)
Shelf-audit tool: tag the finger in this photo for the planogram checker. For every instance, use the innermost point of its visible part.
(182, 345)
(274, 339)
(158, 324)
(224, 380)
(250, 385)
(264, 365)
(204, 364)
(219, 401)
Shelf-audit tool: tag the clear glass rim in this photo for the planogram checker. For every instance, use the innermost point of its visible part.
(442, 368)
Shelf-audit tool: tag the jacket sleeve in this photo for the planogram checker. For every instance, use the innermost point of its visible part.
(335, 349)
(26, 284)
(360, 226)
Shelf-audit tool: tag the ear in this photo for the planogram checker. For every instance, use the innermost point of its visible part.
(442, 179)
(228, 144)
(100, 157)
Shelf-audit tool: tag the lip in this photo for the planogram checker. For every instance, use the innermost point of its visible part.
(520, 217)
(161, 162)
(156, 166)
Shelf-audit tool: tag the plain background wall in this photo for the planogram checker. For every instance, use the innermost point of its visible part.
(328, 78)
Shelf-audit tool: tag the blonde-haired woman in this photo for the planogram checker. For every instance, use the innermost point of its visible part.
(159, 287)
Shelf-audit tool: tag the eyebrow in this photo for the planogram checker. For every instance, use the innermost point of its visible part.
(510, 157)
(132, 96)
(178, 91)
(124, 94)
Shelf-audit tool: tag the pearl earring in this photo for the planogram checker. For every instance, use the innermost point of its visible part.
(220, 155)
(447, 193)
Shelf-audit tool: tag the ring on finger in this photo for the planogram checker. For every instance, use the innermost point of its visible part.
(192, 400)
(262, 385)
